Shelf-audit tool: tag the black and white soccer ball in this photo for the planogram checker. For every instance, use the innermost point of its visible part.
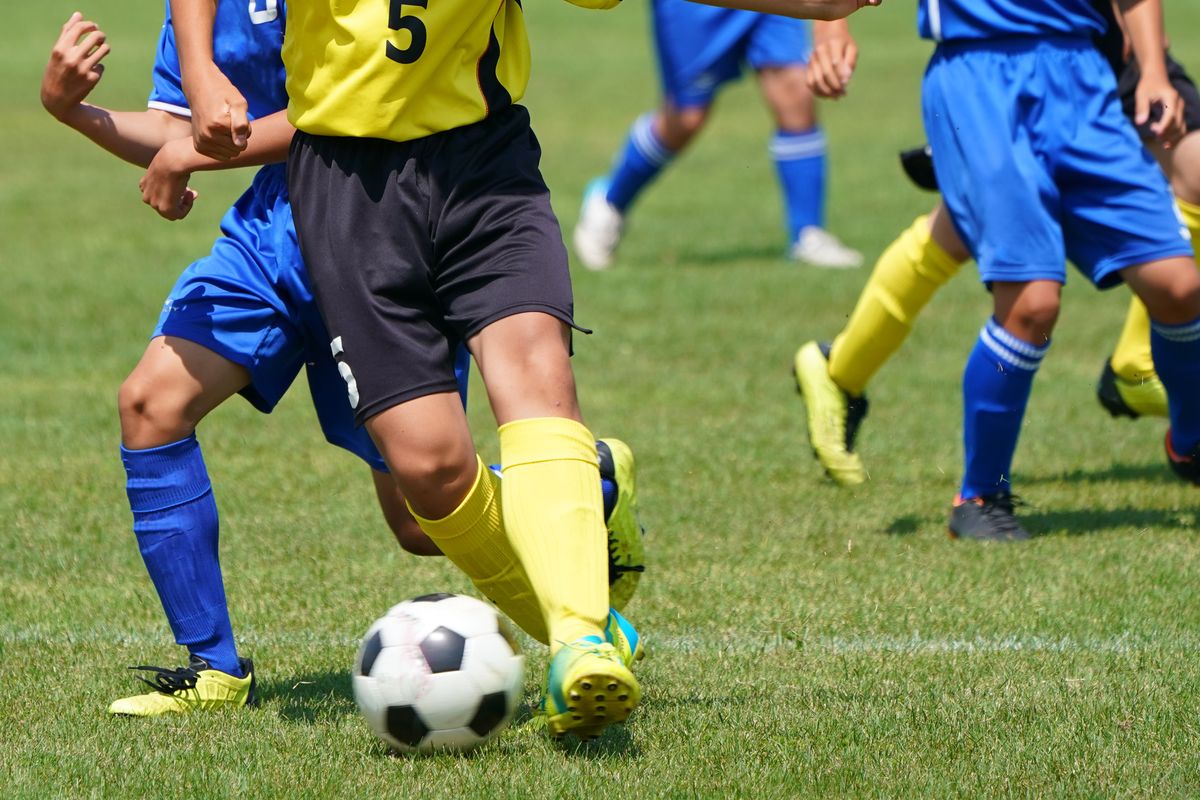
(438, 672)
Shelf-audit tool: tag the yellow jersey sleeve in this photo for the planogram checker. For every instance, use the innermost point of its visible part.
(402, 69)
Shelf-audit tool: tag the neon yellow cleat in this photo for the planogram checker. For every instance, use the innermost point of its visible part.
(588, 688)
(1146, 397)
(620, 633)
(833, 416)
(626, 553)
(195, 687)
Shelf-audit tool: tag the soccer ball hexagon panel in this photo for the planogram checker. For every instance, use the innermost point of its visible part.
(437, 672)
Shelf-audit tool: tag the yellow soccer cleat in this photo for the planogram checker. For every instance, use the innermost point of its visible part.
(1146, 397)
(588, 688)
(833, 416)
(195, 687)
(626, 553)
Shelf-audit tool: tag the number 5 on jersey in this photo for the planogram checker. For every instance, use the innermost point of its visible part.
(415, 27)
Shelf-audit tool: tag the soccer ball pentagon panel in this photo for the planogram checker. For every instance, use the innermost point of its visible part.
(438, 672)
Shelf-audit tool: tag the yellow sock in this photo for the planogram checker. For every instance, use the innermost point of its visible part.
(1131, 359)
(554, 514)
(905, 277)
(473, 537)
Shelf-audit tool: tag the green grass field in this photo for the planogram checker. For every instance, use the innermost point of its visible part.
(804, 640)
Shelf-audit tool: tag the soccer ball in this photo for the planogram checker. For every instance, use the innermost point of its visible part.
(438, 672)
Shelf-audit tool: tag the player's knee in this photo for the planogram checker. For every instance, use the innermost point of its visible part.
(149, 416)
(1178, 301)
(678, 126)
(1033, 314)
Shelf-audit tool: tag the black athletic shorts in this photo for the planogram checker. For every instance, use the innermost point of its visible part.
(413, 247)
(1127, 82)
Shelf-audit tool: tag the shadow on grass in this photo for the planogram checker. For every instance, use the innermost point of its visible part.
(1115, 472)
(720, 256)
(906, 525)
(311, 697)
(1083, 522)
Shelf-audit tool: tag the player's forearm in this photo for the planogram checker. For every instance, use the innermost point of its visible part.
(269, 145)
(803, 9)
(193, 23)
(133, 136)
(1143, 22)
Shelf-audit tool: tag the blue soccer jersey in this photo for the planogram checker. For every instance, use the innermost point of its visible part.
(956, 20)
(247, 38)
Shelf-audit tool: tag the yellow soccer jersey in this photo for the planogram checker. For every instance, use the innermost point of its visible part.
(403, 69)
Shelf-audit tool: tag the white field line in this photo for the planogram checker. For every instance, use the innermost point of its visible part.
(745, 644)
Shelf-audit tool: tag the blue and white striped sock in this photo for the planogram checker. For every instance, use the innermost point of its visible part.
(639, 162)
(800, 162)
(1176, 351)
(996, 386)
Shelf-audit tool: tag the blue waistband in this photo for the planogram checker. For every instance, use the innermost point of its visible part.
(1018, 44)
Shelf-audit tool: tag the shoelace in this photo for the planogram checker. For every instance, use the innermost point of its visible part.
(169, 681)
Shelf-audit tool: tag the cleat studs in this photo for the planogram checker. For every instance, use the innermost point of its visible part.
(612, 687)
(622, 697)
(587, 686)
(600, 698)
(576, 696)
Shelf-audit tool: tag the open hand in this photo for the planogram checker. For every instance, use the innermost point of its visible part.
(74, 68)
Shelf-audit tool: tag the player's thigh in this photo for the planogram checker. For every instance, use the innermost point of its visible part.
(524, 360)
(1182, 166)
(787, 95)
(778, 50)
(175, 384)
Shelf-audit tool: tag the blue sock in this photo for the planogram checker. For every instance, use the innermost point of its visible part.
(1176, 351)
(996, 386)
(175, 521)
(639, 162)
(800, 161)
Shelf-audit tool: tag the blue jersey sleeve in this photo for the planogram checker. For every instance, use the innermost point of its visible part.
(166, 92)
(247, 40)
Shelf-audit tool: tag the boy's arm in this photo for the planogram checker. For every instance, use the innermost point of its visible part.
(834, 56)
(804, 9)
(220, 124)
(164, 186)
(1144, 24)
(73, 71)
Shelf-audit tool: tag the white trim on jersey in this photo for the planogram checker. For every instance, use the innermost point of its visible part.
(171, 108)
(935, 19)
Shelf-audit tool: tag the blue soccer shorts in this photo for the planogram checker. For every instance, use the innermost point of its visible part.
(1038, 164)
(702, 47)
(249, 301)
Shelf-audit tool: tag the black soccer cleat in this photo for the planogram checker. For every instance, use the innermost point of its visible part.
(1185, 466)
(918, 166)
(1109, 394)
(987, 519)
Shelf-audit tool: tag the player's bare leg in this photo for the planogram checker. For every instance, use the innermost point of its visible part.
(798, 150)
(175, 385)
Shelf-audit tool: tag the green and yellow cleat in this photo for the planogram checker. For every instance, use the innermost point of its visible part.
(196, 687)
(833, 416)
(588, 688)
(1120, 397)
(626, 553)
(620, 633)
